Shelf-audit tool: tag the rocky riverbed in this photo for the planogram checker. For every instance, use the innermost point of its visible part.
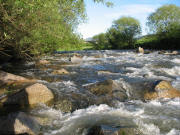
(92, 93)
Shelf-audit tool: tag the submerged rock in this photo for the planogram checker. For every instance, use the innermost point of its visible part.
(163, 89)
(60, 71)
(72, 101)
(108, 88)
(18, 123)
(108, 130)
(28, 97)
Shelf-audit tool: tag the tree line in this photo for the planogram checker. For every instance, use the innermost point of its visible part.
(125, 32)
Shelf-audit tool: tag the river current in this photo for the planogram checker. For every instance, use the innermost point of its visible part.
(155, 117)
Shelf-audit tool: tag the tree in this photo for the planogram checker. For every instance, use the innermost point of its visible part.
(29, 28)
(165, 23)
(164, 19)
(123, 32)
(100, 41)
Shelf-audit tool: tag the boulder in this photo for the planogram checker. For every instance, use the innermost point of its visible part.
(141, 50)
(8, 78)
(28, 97)
(103, 88)
(108, 88)
(18, 123)
(43, 62)
(163, 89)
(72, 101)
(138, 88)
(109, 130)
(60, 71)
(76, 59)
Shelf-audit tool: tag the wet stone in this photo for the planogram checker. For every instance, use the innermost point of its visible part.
(19, 123)
(163, 89)
(29, 97)
(109, 88)
(109, 130)
(72, 101)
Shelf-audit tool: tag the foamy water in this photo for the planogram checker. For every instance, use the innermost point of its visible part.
(151, 118)
(156, 117)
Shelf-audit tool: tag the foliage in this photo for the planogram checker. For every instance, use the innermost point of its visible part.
(164, 19)
(165, 24)
(123, 32)
(100, 41)
(33, 27)
(121, 35)
(107, 3)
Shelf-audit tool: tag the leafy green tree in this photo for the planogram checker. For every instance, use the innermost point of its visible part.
(123, 32)
(165, 23)
(164, 19)
(100, 41)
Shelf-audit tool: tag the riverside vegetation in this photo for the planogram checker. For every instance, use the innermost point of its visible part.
(31, 28)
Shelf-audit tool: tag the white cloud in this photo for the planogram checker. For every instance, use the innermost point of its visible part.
(133, 10)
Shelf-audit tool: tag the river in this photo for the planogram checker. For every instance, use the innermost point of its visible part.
(128, 69)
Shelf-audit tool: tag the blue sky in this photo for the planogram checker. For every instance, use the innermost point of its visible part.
(100, 17)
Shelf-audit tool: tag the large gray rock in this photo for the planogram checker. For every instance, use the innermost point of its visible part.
(28, 97)
(18, 123)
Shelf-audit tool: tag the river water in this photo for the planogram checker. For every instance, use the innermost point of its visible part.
(129, 69)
